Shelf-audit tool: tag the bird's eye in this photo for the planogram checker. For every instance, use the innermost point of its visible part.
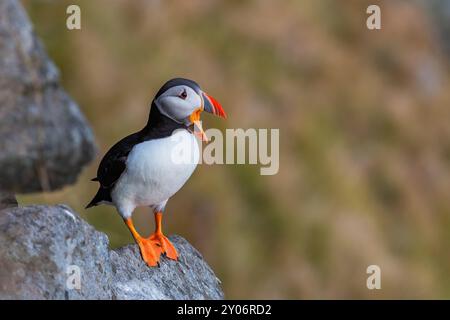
(183, 95)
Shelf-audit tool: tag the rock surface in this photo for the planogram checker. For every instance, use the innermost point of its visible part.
(43, 248)
(45, 140)
(188, 278)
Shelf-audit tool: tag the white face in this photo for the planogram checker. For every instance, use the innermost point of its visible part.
(178, 103)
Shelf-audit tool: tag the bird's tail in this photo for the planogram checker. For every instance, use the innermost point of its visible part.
(103, 194)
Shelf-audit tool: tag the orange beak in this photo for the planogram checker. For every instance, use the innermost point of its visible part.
(213, 106)
(198, 129)
(210, 105)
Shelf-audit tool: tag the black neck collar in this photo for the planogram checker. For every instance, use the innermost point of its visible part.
(159, 126)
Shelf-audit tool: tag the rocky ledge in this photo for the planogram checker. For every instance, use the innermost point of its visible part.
(49, 252)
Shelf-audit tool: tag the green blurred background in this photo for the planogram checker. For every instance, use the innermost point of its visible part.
(364, 134)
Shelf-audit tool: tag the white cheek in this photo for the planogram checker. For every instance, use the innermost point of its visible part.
(194, 101)
(177, 108)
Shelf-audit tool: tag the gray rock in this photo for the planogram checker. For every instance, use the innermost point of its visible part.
(45, 140)
(188, 278)
(40, 245)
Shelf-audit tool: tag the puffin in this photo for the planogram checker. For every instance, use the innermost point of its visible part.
(143, 169)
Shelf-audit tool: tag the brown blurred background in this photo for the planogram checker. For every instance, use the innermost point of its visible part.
(364, 134)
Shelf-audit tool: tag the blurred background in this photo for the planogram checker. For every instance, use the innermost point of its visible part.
(364, 123)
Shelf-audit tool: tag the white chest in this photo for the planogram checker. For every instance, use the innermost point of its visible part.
(157, 169)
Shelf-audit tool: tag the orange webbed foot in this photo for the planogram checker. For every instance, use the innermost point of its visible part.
(150, 251)
(151, 248)
(165, 245)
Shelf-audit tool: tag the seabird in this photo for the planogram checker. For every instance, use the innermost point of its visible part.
(143, 169)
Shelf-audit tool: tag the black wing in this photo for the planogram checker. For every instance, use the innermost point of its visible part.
(114, 162)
